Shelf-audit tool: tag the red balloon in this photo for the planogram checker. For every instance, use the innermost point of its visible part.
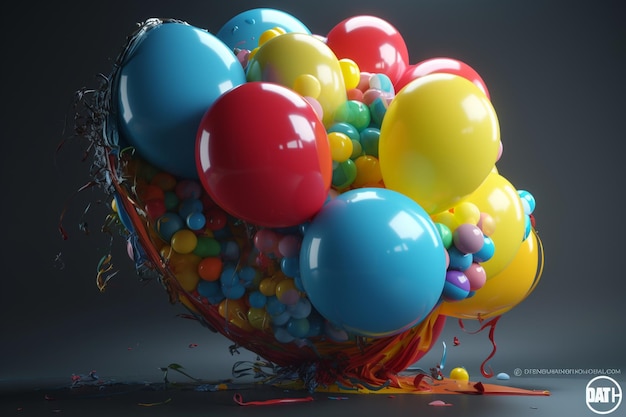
(374, 44)
(441, 65)
(263, 155)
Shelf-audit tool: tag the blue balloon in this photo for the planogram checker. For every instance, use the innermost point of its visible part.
(486, 252)
(169, 79)
(458, 260)
(256, 299)
(243, 30)
(168, 224)
(372, 262)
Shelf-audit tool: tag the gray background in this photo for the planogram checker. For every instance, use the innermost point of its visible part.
(555, 73)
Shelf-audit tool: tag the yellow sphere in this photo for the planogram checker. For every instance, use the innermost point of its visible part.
(282, 59)
(446, 218)
(267, 35)
(341, 146)
(467, 212)
(307, 85)
(367, 171)
(184, 241)
(438, 141)
(351, 73)
(459, 374)
(259, 318)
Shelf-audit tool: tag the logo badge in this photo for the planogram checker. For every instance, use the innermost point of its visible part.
(603, 395)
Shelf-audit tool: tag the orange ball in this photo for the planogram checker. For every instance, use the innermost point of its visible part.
(210, 268)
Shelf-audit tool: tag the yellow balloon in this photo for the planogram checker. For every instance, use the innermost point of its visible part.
(497, 197)
(184, 266)
(341, 146)
(438, 141)
(259, 318)
(467, 212)
(507, 289)
(368, 171)
(282, 59)
(351, 73)
(307, 85)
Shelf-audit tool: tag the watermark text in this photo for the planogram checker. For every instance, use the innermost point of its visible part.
(565, 371)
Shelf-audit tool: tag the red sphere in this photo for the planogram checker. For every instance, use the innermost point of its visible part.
(374, 44)
(263, 155)
(441, 65)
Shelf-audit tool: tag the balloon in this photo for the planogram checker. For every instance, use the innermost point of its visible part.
(441, 65)
(272, 244)
(459, 374)
(505, 290)
(244, 30)
(497, 197)
(438, 140)
(287, 57)
(372, 262)
(274, 169)
(468, 238)
(456, 286)
(373, 43)
(165, 85)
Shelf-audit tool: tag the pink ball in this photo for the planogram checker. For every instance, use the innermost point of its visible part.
(289, 246)
(266, 240)
(476, 275)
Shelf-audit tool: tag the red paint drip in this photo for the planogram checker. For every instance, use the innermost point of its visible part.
(239, 400)
(492, 329)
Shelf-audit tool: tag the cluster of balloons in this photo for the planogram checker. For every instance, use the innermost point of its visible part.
(317, 187)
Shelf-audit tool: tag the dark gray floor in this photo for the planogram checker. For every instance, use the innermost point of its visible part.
(567, 398)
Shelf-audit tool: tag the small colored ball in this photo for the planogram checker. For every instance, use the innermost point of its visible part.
(459, 374)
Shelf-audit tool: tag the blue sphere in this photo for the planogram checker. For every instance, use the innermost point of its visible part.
(486, 252)
(372, 262)
(243, 30)
(458, 260)
(169, 79)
